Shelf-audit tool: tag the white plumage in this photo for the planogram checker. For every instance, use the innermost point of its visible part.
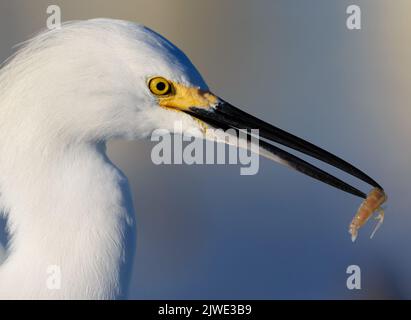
(62, 96)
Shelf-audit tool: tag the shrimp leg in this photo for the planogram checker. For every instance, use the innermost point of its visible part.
(380, 218)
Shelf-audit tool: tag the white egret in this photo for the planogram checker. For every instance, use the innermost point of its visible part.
(62, 96)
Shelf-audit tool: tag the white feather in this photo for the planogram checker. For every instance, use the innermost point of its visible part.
(62, 96)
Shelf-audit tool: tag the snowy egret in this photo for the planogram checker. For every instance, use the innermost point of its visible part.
(62, 96)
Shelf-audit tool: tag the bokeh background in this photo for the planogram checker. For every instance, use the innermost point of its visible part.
(207, 232)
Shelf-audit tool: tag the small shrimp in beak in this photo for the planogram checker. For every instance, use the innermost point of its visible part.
(372, 203)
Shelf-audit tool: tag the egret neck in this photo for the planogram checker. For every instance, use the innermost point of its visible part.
(72, 222)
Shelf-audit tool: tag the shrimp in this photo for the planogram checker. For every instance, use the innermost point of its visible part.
(372, 203)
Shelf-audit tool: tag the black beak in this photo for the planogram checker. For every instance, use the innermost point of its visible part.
(225, 116)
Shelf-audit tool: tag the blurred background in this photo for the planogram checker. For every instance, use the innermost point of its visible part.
(205, 231)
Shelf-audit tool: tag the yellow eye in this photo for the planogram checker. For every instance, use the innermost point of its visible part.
(159, 86)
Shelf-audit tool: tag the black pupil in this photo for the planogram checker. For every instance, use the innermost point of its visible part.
(161, 86)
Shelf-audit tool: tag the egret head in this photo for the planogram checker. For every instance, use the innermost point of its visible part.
(100, 79)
